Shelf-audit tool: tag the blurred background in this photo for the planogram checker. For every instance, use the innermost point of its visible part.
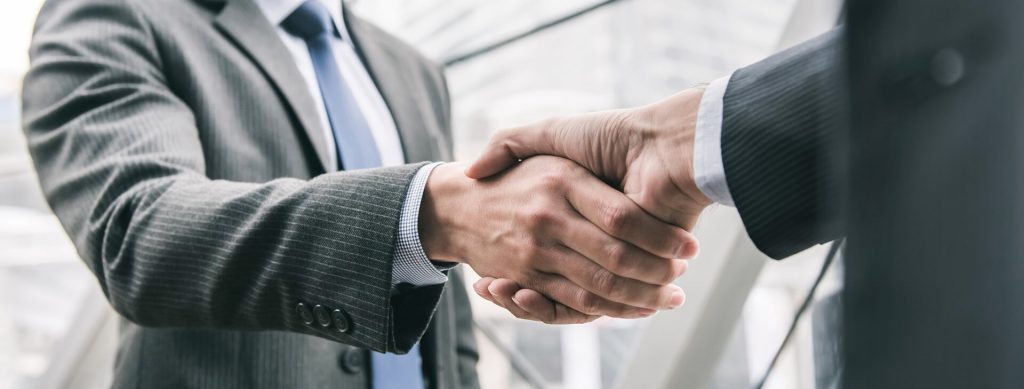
(509, 62)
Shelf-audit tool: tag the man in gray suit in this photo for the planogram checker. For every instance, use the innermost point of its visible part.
(244, 179)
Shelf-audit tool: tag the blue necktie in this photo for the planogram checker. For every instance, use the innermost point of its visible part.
(357, 150)
(352, 135)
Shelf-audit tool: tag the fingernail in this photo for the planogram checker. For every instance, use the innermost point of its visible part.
(689, 250)
(516, 301)
(682, 250)
(677, 298)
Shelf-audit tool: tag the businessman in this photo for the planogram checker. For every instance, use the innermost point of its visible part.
(247, 180)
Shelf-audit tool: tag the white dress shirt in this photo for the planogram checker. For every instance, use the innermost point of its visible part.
(708, 169)
(411, 264)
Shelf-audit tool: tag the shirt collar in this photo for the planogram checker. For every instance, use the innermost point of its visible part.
(276, 10)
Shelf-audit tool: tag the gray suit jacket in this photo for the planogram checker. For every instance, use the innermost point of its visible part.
(175, 141)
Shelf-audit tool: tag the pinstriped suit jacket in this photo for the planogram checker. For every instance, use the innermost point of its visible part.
(175, 141)
(780, 119)
(923, 98)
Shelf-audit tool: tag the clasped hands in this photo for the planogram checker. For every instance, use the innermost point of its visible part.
(601, 231)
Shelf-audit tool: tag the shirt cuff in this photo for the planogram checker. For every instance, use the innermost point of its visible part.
(708, 169)
(411, 265)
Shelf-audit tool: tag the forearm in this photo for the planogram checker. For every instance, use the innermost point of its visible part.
(184, 251)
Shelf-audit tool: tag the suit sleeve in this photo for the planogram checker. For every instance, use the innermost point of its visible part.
(119, 159)
(781, 119)
(466, 352)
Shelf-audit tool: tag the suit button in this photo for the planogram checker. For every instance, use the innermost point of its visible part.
(304, 313)
(351, 360)
(947, 67)
(323, 316)
(341, 321)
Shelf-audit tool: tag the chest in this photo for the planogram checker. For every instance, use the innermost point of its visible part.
(256, 117)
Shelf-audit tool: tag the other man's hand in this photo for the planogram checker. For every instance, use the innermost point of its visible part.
(551, 226)
(646, 151)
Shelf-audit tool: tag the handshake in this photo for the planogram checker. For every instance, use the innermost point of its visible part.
(601, 231)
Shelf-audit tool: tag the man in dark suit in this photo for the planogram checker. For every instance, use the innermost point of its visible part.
(244, 179)
(907, 120)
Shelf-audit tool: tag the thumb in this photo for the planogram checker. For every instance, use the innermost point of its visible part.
(507, 148)
(496, 157)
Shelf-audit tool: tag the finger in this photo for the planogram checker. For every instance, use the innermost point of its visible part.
(619, 257)
(586, 273)
(501, 291)
(481, 287)
(620, 217)
(562, 290)
(549, 311)
(508, 147)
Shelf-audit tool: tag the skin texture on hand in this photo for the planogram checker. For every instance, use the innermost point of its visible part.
(647, 152)
(550, 225)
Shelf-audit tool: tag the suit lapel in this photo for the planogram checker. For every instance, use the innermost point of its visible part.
(393, 81)
(243, 21)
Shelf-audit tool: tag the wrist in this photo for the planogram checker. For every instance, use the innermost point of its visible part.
(439, 219)
(673, 124)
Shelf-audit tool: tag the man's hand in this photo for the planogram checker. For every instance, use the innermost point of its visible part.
(551, 226)
(646, 151)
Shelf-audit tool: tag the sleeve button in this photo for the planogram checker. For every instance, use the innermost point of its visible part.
(304, 313)
(948, 67)
(323, 317)
(341, 321)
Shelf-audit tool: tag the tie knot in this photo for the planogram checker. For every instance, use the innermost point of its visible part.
(310, 20)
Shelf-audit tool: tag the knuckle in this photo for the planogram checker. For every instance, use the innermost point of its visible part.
(617, 256)
(588, 302)
(615, 217)
(665, 277)
(534, 216)
(607, 283)
(531, 253)
(553, 179)
(542, 216)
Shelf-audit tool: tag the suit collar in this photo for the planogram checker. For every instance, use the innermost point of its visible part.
(243, 22)
(277, 10)
(246, 25)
